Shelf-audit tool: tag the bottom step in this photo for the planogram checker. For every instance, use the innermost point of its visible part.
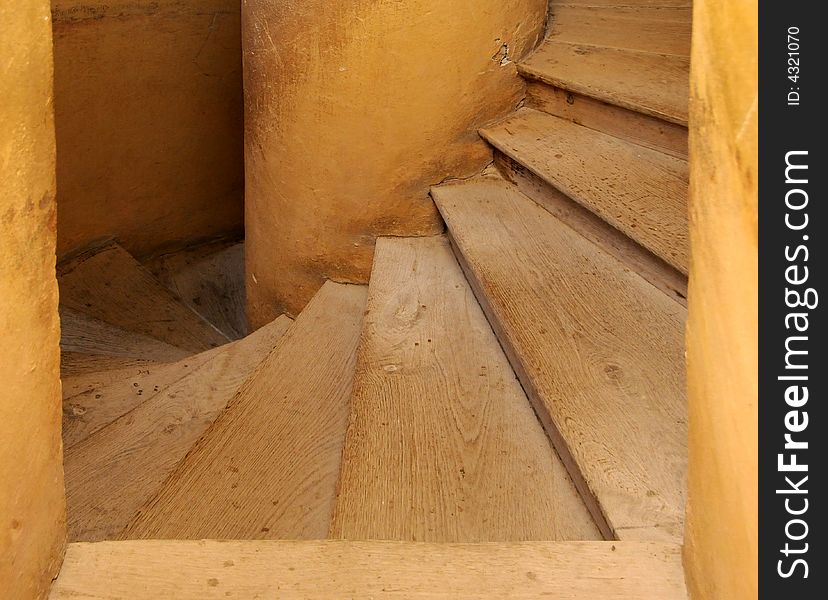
(333, 569)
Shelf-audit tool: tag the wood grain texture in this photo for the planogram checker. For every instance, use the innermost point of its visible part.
(92, 401)
(652, 84)
(110, 285)
(598, 349)
(113, 472)
(87, 335)
(588, 224)
(325, 570)
(641, 192)
(616, 121)
(442, 444)
(210, 280)
(662, 30)
(268, 467)
(73, 364)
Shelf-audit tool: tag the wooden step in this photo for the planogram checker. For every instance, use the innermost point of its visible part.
(652, 268)
(111, 473)
(662, 30)
(442, 444)
(210, 280)
(83, 334)
(73, 364)
(629, 125)
(110, 285)
(598, 349)
(640, 192)
(649, 83)
(323, 570)
(268, 467)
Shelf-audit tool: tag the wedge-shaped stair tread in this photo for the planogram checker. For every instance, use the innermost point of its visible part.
(663, 30)
(598, 349)
(640, 192)
(653, 84)
(268, 467)
(112, 473)
(110, 285)
(442, 444)
(325, 570)
(210, 280)
(83, 334)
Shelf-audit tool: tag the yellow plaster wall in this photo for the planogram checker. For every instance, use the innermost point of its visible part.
(32, 512)
(352, 110)
(149, 121)
(721, 536)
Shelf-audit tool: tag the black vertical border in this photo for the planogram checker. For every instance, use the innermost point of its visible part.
(784, 128)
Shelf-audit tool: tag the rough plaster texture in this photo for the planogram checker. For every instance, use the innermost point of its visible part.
(721, 536)
(352, 110)
(149, 126)
(32, 513)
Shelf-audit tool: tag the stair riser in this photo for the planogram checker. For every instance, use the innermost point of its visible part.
(629, 125)
(658, 272)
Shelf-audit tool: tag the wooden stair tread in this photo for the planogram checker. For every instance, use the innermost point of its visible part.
(598, 349)
(653, 84)
(210, 280)
(73, 364)
(110, 285)
(640, 192)
(113, 472)
(662, 30)
(268, 467)
(442, 443)
(84, 334)
(322, 570)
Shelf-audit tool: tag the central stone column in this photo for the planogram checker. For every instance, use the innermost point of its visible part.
(352, 110)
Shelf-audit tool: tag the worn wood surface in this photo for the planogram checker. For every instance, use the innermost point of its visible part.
(92, 401)
(641, 192)
(324, 570)
(110, 285)
(268, 467)
(442, 444)
(623, 123)
(210, 280)
(662, 30)
(87, 335)
(111, 473)
(73, 364)
(598, 349)
(663, 276)
(641, 81)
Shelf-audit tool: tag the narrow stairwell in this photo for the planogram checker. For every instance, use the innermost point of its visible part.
(518, 381)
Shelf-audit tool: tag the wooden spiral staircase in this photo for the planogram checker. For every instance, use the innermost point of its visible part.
(499, 413)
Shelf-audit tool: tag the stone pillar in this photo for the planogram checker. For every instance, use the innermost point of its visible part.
(352, 110)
